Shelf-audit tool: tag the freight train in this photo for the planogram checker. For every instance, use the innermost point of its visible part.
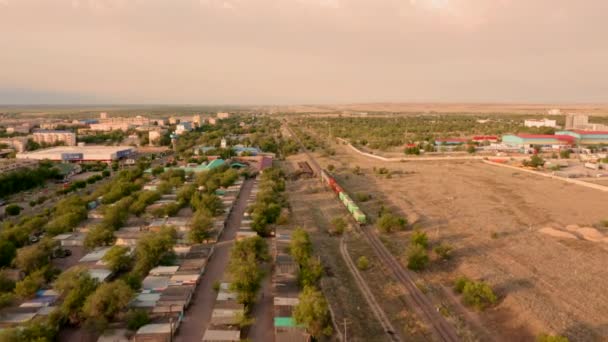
(344, 198)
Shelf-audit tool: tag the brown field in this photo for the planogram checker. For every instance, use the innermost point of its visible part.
(491, 216)
(473, 108)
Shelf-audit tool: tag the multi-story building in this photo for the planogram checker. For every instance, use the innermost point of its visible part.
(223, 115)
(581, 122)
(54, 137)
(155, 135)
(17, 143)
(111, 126)
(21, 129)
(198, 120)
(540, 123)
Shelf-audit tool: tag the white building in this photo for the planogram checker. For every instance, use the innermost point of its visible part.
(183, 127)
(223, 115)
(540, 123)
(111, 126)
(79, 153)
(53, 137)
(554, 111)
(223, 143)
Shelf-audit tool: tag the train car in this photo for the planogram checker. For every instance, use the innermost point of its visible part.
(350, 205)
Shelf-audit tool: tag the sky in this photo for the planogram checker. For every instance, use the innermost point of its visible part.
(302, 51)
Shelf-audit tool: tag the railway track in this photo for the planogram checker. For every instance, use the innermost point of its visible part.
(439, 327)
(368, 295)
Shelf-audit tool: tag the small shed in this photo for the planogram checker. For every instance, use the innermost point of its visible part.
(215, 335)
(159, 332)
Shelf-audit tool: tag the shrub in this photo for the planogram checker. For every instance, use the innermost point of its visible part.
(478, 295)
(12, 210)
(551, 338)
(565, 154)
(417, 258)
(460, 283)
(444, 251)
(362, 263)
(331, 167)
(338, 225)
(419, 238)
(389, 223)
(362, 197)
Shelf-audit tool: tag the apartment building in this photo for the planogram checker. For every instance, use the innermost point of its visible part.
(54, 137)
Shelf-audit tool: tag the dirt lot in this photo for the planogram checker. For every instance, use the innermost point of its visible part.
(491, 216)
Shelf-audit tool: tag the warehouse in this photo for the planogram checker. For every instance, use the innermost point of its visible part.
(586, 137)
(79, 153)
(529, 140)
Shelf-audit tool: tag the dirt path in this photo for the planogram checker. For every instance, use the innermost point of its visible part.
(198, 315)
(262, 329)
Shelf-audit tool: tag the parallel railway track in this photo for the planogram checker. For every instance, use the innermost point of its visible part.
(437, 324)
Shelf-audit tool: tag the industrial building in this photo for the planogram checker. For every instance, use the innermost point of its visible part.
(586, 137)
(540, 123)
(53, 137)
(79, 153)
(530, 140)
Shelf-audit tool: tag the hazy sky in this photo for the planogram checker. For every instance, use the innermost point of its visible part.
(302, 51)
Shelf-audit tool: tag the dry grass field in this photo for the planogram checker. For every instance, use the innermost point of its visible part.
(492, 217)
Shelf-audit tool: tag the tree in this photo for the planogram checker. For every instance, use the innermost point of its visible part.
(419, 238)
(99, 236)
(7, 253)
(12, 210)
(412, 150)
(108, 300)
(136, 319)
(338, 225)
(74, 286)
(300, 246)
(31, 258)
(118, 258)
(565, 154)
(535, 161)
(362, 263)
(200, 227)
(310, 272)
(27, 287)
(312, 311)
(417, 258)
(331, 167)
(152, 248)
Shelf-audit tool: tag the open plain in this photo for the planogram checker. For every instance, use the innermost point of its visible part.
(492, 216)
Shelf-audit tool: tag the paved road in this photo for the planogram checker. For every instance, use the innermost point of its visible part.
(198, 314)
(262, 329)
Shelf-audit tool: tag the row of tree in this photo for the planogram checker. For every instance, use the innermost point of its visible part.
(269, 201)
(312, 310)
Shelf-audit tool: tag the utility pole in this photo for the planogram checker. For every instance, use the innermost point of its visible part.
(345, 323)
